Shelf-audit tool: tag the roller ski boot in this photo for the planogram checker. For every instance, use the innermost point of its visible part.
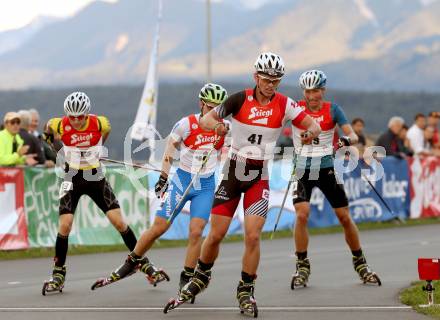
(246, 300)
(197, 284)
(364, 271)
(153, 274)
(130, 266)
(56, 283)
(302, 274)
(185, 277)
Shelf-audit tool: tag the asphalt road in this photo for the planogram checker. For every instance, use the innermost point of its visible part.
(334, 291)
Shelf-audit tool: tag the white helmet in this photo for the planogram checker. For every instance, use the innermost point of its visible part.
(270, 64)
(77, 104)
(312, 79)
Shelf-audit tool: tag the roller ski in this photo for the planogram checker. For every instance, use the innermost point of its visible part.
(130, 266)
(302, 274)
(246, 299)
(364, 271)
(56, 283)
(153, 274)
(197, 284)
(185, 277)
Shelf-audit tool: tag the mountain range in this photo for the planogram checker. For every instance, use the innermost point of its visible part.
(360, 44)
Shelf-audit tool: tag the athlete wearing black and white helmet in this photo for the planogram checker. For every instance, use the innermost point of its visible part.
(270, 63)
(76, 104)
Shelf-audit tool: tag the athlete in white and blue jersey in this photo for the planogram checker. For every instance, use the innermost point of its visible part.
(194, 143)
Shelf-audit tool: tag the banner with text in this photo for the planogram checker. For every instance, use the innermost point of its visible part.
(13, 230)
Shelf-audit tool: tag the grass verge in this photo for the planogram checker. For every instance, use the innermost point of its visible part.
(415, 296)
(81, 249)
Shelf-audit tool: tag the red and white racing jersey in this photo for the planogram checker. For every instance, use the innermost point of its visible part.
(255, 128)
(195, 143)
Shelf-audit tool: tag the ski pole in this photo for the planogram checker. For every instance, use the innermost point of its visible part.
(292, 176)
(130, 164)
(396, 217)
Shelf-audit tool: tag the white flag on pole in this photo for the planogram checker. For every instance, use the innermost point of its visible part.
(144, 127)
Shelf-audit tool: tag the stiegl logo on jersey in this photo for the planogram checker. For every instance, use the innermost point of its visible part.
(201, 139)
(75, 138)
(261, 115)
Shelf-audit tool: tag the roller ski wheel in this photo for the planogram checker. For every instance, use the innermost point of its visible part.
(157, 277)
(246, 300)
(48, 288)
(252, 310)
(302, 274)
(364, 271)
(172, 304)
(372, 278)
(56, 283)
(297, 282)
(114, 277)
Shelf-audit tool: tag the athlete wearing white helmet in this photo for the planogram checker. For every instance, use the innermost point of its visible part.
(312, 79)
(76, 104)
(193, 143)
(258, 114)
(316, 160)
(82, 135)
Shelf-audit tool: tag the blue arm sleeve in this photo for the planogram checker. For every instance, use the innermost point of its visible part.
(338, 115)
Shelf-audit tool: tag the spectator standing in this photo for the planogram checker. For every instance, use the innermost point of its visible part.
(34, 123)
(390, 139)
(12, 150)
(358, 126)
(35, 146)
(433, 121)
(415, 134)
(404, 142)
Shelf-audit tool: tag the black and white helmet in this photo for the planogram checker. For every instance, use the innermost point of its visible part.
(77, 104)
(312, 79)
(270, 64)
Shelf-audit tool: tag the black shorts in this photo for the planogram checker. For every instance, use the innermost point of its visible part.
(242, 176)
(326, 182)
(74, 187)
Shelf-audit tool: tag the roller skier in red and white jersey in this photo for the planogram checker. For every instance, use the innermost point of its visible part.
(258, 116)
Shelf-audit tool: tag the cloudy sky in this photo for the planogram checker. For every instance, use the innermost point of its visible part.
(17, 13)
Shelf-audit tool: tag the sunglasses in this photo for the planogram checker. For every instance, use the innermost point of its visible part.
(14, 121)
(267, 80)
(78, 118)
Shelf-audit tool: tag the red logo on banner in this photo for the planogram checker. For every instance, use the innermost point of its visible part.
(424, 187)
(13, 228)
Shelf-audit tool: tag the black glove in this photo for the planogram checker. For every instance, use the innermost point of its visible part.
(344, 141)
(161, 186)
(48, 137)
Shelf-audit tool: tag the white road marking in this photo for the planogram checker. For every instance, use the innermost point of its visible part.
(184, 308)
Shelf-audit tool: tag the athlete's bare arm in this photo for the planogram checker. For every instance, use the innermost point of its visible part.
(349, 132)
(168, 156)
(209, 120)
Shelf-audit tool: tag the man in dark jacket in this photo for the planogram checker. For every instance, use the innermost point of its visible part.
(35, 146)
(390, 139)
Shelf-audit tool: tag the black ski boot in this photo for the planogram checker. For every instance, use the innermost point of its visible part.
(128, 268)
(153, 274)
(302, 274)
(364, 271)
(185, 277)
(56, 283)
(246, 300)
(197, 284)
